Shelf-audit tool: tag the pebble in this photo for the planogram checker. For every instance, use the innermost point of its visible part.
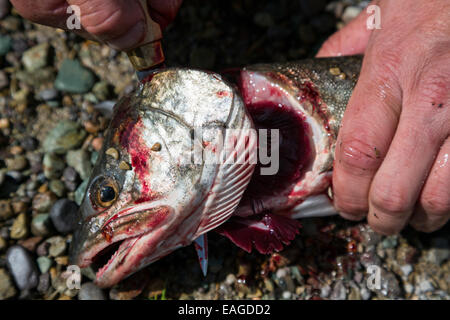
(81, 190)
(439, 252)
(7, 289)
(44, 283)
(406, 269)
(57, 187)
(57, 247)
(89, 291)
(30, 243)
(350, 13)
(64, 215)
(105, 108)
(339, 291)
(36, 57)
(6, 211)
(5, 44)
(390, 242)
(4, 80)
(80, 161)
(286, 295)
(44, 264)
(325, 291)
(230, 279)
(3, 244)
(42, 202)
(390, 287)
(5, 7)
(48, 94)
(74, 78)
(19, 229)
(365, 293)
(424, 286)
(66, 135)
(40, 225)
(17, 163)
(22, 268)
(42, 249)
(101, 90)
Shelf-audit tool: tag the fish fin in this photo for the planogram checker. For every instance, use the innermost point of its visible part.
(201, 246)
(231, 181)
(265, 232)
(314, 206)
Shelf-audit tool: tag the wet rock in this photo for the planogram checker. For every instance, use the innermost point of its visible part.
(365, 293)
(22, 268)
(40, 225)
(439, 252)
(101, 90)
(74, 78)
(44, 283)
(370, 258)
(81, 190)
(57, 187)
(42, 249)
(65, 136)
(48, 94)
(57, 247)
(6, 211)
(4, 80)
(5, 44)
(7, 289)
(80, 161)
(17, 163)
(42, 202)
(44, 264)
(3, 244)
(105, 108)
(30, 243)
(89, 291)
(64, 215)
(53, 165)
(339, 291)
(325, 291)
(424, 286)
(389, 286)
(29, 143)
(390, 242)
(36, 57)
(406, 269)
(19, 229)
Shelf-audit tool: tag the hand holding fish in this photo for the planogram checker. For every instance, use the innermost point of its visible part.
(392, 154)
(118, 23)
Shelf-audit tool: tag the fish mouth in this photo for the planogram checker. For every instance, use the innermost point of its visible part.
(112, 251)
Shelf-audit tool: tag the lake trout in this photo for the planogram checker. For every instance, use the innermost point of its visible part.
(190, 152)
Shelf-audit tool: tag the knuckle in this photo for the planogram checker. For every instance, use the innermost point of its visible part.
(436, 204)
(356, 153)
(392, 201)
(99, 24)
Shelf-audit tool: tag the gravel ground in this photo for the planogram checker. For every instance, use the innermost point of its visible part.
(55, 93)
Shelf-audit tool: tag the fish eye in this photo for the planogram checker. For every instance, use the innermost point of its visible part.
(105, 192)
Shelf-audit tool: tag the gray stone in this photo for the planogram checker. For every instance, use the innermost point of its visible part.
(44, 283)
(7, 289)
(64, 215)
(66, 135)
(36, 57)
(80, 161)
(89, 291)
(350, 13)
(48, 94)
(5, 44)
(406, 269)
(74, 78)
(22, 268)
(44, 264)
(40, 225)
(19, 229)
(57, 247)
(105, 108)
(57, 187)
(339, 291)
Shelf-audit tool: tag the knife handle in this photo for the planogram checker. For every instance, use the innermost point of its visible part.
(150, 53)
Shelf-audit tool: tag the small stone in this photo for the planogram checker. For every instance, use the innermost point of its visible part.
(350, 13)
(3, 244)
(44, 264)
(335, 71)
(40, 225)
(42, 202)
(425, 286)
(365, 293)
(286, 295)
(22, 268)
(5, 8)
(409, 288)
(6, 211)
(57, 247)
(48, 94)
(105, 108)
(390, 242)
(439, 252)
(339, 291)
(80, 161)
(113, 153)
(80, 192)
(7, 289)
(230, 279)
(42, 249)
(4, 80)
(74, 78)
(57, 187)
(124, 166)
(63, 261)
(17, 163)
(30, 243)
(89, 291)
(36, 57)
(101, 90)
(325, 291)
(64, 215)
(5, 44)
(156, 147)
(19, 229)
(406, 269)
(97, 143)
(44, 283)
(52, 165)
(4, 123)
(66, 135)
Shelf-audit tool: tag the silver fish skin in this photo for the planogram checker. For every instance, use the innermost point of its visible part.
(144, 199)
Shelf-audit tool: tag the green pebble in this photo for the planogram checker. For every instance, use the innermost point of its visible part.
(40, 225)
(74, 78)
(44, 264)
(65, 136)
(5, 45)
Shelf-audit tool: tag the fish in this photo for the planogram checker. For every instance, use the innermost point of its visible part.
(190, 152)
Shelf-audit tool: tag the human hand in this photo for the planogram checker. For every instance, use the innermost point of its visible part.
(392, 154)
(118, 23)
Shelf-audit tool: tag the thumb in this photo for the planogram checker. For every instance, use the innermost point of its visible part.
(351, 39)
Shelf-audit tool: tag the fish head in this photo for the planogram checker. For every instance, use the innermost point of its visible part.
(152, 189)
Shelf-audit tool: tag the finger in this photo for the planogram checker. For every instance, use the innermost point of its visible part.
(51, 12)
(368, 126)
(164, 11)
(422, 130)
(351, 39)
(433, 211)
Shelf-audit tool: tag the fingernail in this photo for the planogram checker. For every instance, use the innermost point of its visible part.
(129, 39)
